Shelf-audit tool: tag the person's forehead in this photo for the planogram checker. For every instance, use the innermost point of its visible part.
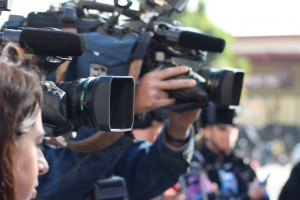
(224, 126)
(37, 129)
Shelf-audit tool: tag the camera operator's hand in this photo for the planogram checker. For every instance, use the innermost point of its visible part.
(256, 191)
(179, 124)
(151, 89)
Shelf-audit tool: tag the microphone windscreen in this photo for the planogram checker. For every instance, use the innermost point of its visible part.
(201, 41)
(52, 42)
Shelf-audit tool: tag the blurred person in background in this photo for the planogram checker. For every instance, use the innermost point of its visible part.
(21, 129)
(290, 190)
(295, 155)
(217, 172)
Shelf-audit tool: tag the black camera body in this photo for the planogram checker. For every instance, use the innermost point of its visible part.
(112, 188)
(171, 43)
(5, 5)
(222, 86)
(54, 110)
(104, 103)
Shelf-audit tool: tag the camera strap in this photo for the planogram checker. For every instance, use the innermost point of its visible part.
(96, 142)
(139, 55)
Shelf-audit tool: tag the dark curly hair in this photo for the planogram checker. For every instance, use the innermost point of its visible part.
(20, 98)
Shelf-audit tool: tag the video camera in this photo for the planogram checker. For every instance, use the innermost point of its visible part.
(104, 103)
(220, 85)
(154, 42)
(161, 43)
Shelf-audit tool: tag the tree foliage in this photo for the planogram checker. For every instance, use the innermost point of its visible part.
(199, 20)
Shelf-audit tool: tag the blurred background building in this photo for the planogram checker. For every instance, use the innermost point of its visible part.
(272, 85)
(273, 95)
(270, 111)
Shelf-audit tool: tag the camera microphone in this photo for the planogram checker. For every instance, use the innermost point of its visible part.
(201, 41)
(191, 39)
(46, 41)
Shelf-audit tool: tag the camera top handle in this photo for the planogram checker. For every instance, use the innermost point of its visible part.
(5, 5)
(102, 7)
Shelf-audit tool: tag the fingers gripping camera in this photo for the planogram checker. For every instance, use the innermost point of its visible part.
(222, 86)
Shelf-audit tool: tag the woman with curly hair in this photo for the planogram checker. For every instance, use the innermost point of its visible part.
(21, 129)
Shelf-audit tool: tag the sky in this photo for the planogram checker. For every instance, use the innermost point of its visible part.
(237, 17)
(255, 17)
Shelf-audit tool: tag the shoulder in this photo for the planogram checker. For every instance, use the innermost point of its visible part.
(238, 160)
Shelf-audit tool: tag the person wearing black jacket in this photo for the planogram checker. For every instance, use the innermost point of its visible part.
(223, 175)
(290, 190)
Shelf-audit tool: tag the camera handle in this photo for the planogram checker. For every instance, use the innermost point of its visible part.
(5, 5)
(113, 20)
(94, 143)
(118, 5)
